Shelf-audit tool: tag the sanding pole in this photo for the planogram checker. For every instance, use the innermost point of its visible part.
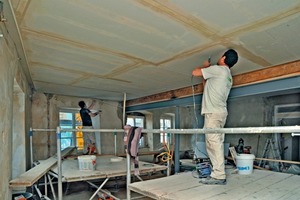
(59, 170)
(124, 109)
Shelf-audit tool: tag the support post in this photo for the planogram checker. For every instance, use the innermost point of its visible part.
(59, 170)
(128, 174)
(177, 141)
(128, 179)
(169, 162)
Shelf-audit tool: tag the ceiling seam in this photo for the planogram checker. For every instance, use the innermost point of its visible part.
(21, 9)
(84, 74)
(165, 10)
(85, 46)
(56, 84)
(189, 21)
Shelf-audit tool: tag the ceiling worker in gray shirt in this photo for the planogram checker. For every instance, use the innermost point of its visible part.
(89, 140)
(217, 85)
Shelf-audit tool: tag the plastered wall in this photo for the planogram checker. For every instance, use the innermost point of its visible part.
(6, 89)
(11, 74)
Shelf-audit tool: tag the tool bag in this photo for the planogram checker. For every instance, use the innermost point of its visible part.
(131, 140)
(203, 169)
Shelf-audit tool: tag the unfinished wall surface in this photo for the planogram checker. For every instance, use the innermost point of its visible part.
(7, 67)
(19, 135)
(187, 120)
(11, 70)
(111, 117)
(45, 115)
(246, 112)
(290, 145)
(255, 111)
(250, 111)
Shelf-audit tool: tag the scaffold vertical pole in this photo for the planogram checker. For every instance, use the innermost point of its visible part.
(59, 166)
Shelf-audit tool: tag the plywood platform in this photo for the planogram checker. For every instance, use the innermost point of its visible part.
(104, 169)
(259, 185)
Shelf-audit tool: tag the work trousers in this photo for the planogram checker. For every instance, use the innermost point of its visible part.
(88, 139)
(215, 143)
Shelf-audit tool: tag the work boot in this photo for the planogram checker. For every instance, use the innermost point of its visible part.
(212, 181)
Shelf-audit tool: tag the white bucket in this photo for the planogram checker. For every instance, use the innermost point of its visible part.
(244, 163)
(87, 162)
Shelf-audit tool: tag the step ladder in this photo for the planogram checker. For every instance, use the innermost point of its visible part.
(270, 146)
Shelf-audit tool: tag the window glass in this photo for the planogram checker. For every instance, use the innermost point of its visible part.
(130, 121)
(165, 123)
(71, 120)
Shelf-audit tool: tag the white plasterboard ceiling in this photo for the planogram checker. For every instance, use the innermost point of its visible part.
(105, 48)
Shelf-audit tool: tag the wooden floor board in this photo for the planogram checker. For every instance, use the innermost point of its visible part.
(31, 176)
(291, 196)
(246, 188)
(281, 189)
(258, 185)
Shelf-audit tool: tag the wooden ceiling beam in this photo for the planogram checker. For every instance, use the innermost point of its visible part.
(263, 75)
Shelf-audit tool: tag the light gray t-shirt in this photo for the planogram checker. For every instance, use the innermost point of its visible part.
(217, 87)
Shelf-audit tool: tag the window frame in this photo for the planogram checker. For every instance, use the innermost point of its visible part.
(164, 136)
(74, 125)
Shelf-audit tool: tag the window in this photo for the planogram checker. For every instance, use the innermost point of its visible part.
(165, 123)
(137, 121)
(286, 145)
(287, 115)
(71, 120)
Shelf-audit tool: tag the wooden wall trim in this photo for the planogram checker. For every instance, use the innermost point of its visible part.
(263, 75)
(268, 74)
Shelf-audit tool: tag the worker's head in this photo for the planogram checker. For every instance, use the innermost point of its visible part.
(81, 104)
(229, 58)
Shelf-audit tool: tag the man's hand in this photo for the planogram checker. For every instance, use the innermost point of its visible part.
(197, 71)
(206, 64)
(92, 104)
(98, 112)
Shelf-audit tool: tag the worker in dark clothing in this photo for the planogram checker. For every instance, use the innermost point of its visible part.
(88, 137)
